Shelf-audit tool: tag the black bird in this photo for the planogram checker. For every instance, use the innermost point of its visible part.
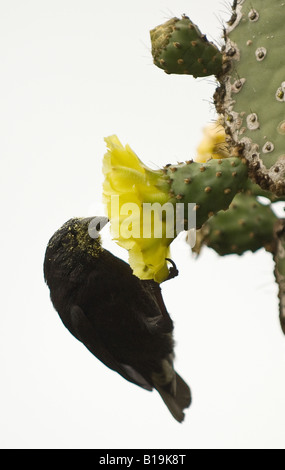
(121, 319)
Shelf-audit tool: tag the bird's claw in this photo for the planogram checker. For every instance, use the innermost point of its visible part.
(173, 271)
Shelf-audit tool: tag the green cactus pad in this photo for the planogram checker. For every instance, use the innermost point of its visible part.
(279, 258)
(179, 47)
(211, 186)
(247, 225)
(252, 93)
(254, 189)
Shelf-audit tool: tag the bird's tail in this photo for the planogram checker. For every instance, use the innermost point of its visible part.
(176, 401)
(173, 390)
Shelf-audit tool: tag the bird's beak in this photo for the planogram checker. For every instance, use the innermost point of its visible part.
(95, 225)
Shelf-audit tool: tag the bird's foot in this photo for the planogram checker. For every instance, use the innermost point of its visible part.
(173, 271)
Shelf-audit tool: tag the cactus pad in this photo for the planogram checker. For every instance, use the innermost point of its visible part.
(211, 186)
(179, 47)
(252, 92)
(247, 225)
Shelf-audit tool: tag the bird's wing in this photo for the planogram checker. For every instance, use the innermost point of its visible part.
(85, 332)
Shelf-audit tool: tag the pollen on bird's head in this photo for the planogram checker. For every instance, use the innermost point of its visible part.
(81, 235)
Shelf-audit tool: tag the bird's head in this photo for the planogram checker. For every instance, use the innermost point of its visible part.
(77, 239)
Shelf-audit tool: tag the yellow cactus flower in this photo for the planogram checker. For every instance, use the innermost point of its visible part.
(128, 186)
(213, 144)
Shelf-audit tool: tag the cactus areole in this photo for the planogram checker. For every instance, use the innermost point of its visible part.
(251, 95)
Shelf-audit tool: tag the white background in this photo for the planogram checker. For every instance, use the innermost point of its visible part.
(73, 72)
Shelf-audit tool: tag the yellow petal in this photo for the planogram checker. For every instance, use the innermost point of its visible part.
(128, 185)
(213, 144)
(158, 272)
(120, 155)
(124, 179)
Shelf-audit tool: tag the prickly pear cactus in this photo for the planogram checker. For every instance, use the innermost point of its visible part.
(179, 47)
(211, 186)
(248, 225)
(252, 93)
(250, 101)
(251, 74)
